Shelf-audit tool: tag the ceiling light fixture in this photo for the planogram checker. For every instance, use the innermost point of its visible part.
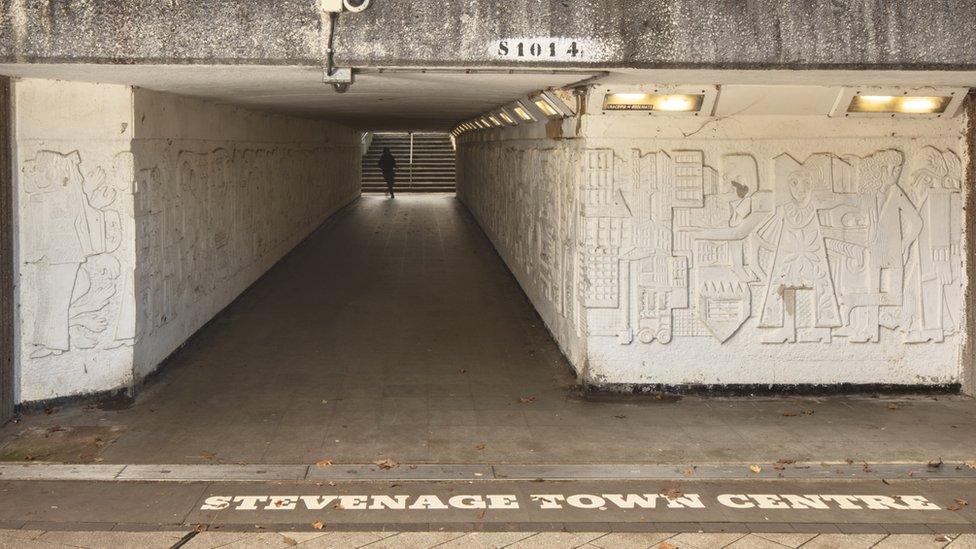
(522, 112)
(677, 102)
(899, 102)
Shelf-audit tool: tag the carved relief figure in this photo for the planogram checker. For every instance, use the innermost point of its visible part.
(77, 226)
(931, 286)
(798, 278)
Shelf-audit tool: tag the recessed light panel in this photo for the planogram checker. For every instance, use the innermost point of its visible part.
(670, 102)
(900, 104)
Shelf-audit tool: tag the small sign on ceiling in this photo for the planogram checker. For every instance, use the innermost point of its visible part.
(541, 49)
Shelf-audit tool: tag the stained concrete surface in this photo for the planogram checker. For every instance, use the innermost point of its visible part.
(588, 540)
(396, 331)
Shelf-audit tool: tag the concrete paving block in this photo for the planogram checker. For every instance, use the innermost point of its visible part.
(401, 472)
(416, 540)
(965, 541)
(556, 540)
(116, 540)
(845, 541)
(53, 471)
(213, 472)
(788, 540)
(627, 540)
(704, 540)
(912, 541)
(752, 541)
(485, 540)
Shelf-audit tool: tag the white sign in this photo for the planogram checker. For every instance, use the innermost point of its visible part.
(601, 502)
(552, 49)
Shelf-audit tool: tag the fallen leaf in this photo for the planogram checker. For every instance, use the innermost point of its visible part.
(201, 528)
(786, 461)
(208, 455)
(385, 463)
(971, 464)
(479, 446)
(689, 471)
(462, 371)
(962, 502)
(527, 400)
(943, 539)
(893, 407)
(288, 541)
(318, 525)
(672, 493)
(867, 468)
(666, 545)
(323, 463)
(808, 412)
(755, 468)
(935, 464)
(790, 414)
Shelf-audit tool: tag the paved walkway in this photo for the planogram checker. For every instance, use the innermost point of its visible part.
(513, 540)
(396, 331)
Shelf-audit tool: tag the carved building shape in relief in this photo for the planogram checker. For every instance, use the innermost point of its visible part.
(830, 247)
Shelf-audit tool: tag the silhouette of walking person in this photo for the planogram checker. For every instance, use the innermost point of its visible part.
(388, 165)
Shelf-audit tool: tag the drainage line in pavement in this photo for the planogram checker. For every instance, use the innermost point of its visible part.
(184, 540)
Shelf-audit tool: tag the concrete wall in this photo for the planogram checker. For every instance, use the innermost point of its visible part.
(895, 34)
(224, 193)
(536, 239)
(752, 249)
(142, 214)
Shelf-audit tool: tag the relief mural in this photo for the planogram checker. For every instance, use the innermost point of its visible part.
(209, 223)
(198, 220)
(833, 247)
(72, 265)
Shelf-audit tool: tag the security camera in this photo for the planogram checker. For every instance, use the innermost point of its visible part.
(336, 6)
(356, 6)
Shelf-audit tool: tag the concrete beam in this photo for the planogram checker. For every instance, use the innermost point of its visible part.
(892, 34)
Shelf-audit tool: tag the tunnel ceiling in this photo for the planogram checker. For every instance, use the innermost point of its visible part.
(377, 101)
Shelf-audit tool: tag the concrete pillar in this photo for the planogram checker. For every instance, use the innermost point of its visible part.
(6, 257)
(968, 359)
(74, 177)
(142, 215)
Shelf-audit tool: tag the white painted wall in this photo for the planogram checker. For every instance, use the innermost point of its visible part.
(523, 194)
(141, 215)
(74, 201)
(855, 276)
(224, 193)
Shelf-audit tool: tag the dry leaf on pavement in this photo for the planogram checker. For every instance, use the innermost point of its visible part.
(479, 446)
(385, 463)
(672, 493)
(755, 468)
(288, 540)
(318, 525)
(527, 400)
(971, 464)
(323, 463)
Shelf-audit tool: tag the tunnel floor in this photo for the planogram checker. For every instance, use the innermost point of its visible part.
(395, 331)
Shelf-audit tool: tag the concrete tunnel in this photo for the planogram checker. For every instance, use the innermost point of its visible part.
(737, 226)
